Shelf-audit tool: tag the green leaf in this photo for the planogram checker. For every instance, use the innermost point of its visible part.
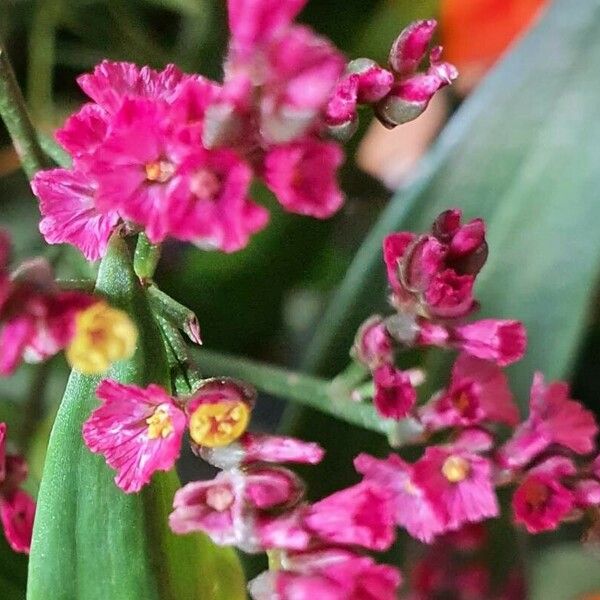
(566, 572)
(92, 541)
(521, 152)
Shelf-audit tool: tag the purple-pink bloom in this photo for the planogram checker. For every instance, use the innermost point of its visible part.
(458, 482)
(17, 511)
(137, 430)
(412, 508)
(554, 418)
(69, 213)
(541, 501)
(302, 175)
(478, 392)
(373, 343)
(394, 393)
(84, 131)
(342, 106)
(359, 515)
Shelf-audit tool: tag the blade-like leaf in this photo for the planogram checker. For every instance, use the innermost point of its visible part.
(521, 152)
(91, 540)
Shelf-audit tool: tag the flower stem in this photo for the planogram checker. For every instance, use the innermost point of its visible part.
(16, 118)
(178, 315)
(314, 392)
(146, 258)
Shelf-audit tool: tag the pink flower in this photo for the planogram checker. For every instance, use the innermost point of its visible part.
(412, 508)
(112, 82)
(395, 246)
(373, 82)
(137, 430)
(541, 501)
(271, 487)
(458, 483)
(554, 418)
(394, 393)
(359, 515)
(342, 106)
(373, 344)
(302, 175)
(410, 47)
(84, 131)
(17, 511)
(210, 204)
(501, 341)
(69, 213)
(252, 448)
(254, 23)
(37, 320)
(478, 392)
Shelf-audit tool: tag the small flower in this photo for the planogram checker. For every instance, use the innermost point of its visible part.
(250, 448)
(103, 335)
(373, 82)
(137, 430)
(541, 501)
(341, 110)
(302, 175)
(554, 418)
(478, 392)
(359, 515)
(219, 412)
(410, 47)
(412, 508)
(394, 393)
(373, 343)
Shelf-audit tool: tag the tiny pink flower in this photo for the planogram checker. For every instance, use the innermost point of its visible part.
(478, 392)
(84, 131)
(111, 82)
(342, 106)
(137, 430)
(410, 47)
(459, 483)
(302, 175)
(373, 344)
(541, 501)
(359, 515)
(587, 493)
(374, 82)
(412, 508)
(395, 246)
(17, 511)
(252, 448)
(554, 418)
(69, 213)
(271, 487)
(394, 393)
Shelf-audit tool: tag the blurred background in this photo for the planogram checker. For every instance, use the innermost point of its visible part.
(514, 140)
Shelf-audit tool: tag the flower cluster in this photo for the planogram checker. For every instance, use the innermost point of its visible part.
(38, 319)
(17, 507)
(259, 506)
(453, 484)
(175, 154)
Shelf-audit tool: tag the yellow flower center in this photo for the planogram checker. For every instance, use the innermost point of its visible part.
(159, 424)
(219, 423)
(103, 335)
(456, 469)
(159, 171)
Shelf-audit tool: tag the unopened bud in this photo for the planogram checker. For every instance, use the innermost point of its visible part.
(409, 48)
(374, 82)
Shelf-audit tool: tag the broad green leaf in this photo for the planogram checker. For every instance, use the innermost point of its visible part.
(92, 541)
(566, 572)
(523, 153)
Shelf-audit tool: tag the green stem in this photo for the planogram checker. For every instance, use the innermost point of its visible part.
(178, 315)
(310, 391)
(146, 258)
(54, 151)
(16, 118)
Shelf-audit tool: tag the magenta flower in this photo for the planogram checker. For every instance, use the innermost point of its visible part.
(69, 213)
(410, 47)
(137, 430)
(360, 515)
(394, 393)
(458, 482)
(37, 319)
(373, 344)
(412, 508)
(541, 501)
(112, 82)
(84, 131)
(252, 448)
(341, 108)
(478, 392)
(373, 82)
(554, 418)
(302, 175)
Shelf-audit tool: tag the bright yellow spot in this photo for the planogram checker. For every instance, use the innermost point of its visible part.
(160, 424)
(455, 469)
(103, 335)
(159, 171)
(219, 423)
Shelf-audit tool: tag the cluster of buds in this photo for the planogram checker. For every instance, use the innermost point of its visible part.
(17, 507)
(453, 483)
(258, 505)
(398, 95)
(174, 154)
(38, 319)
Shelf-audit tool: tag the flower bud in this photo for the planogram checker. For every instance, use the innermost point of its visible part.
(394, 392)
(373, 344)
(409, 48)
(373, 81)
